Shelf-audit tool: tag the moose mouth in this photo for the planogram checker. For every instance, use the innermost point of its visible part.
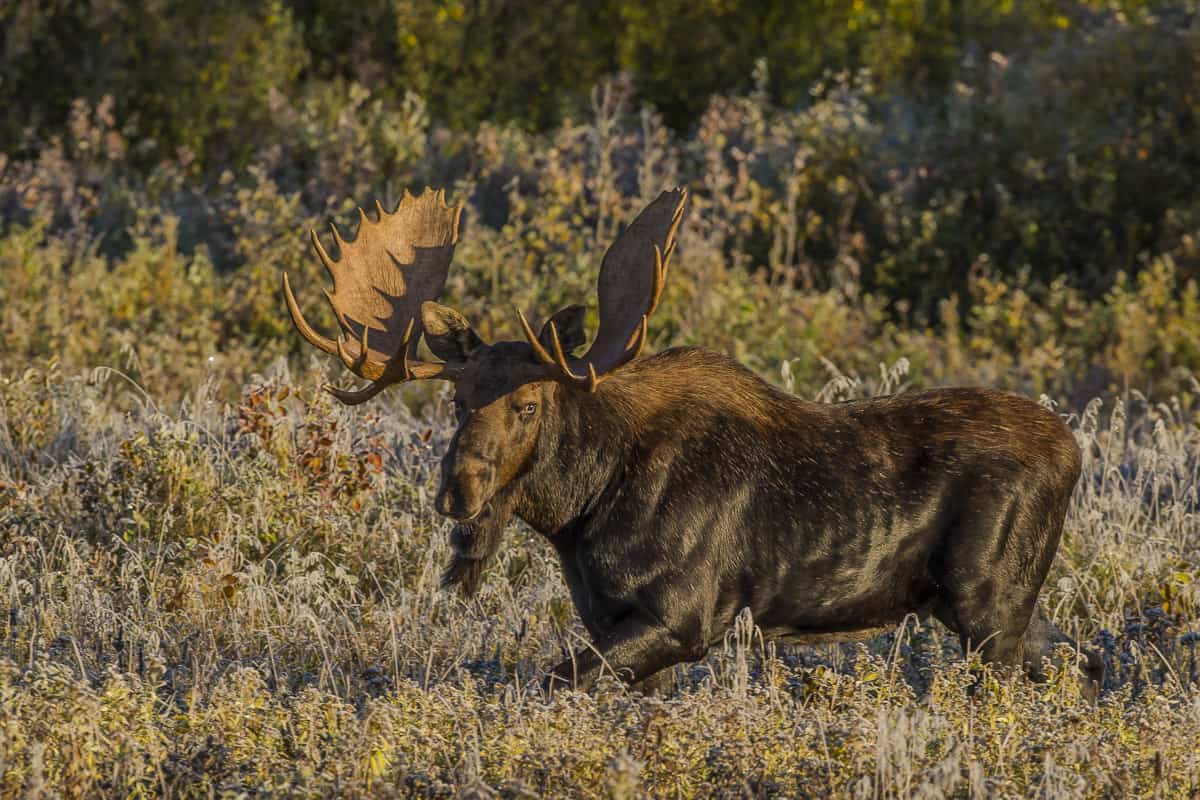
(468, 517)
(447, 507)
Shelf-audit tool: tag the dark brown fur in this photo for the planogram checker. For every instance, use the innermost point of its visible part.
(686, 489)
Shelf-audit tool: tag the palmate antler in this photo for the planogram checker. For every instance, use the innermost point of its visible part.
(380, 280)
(632, 277)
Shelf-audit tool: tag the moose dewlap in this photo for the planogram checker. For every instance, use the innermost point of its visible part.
(679, 488)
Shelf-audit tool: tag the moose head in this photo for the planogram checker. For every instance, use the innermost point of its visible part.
(385, 285)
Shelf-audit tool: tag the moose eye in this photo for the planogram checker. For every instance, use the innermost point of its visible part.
(529, 409)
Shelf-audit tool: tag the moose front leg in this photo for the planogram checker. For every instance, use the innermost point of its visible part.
(635, 648)
(660, 684)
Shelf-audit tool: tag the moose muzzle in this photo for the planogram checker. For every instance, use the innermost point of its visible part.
(465, 489)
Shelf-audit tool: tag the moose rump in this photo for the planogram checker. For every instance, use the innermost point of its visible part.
(842, 519)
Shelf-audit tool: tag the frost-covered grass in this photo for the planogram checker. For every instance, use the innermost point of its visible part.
(206, 597)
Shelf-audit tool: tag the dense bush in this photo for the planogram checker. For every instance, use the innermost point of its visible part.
(1024, 219)
(198, 74)
(1036, 238)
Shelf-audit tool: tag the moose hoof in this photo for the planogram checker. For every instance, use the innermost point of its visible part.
(555, 683)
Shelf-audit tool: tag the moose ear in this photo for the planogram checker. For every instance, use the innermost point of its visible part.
(569, 324)
(449, 336)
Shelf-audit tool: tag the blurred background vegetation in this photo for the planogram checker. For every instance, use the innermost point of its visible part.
(1003, 190)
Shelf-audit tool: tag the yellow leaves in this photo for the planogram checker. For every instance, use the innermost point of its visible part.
(450, 12)
(1154, 323)
(1016, 310)
(1179, 596)
(377, 764)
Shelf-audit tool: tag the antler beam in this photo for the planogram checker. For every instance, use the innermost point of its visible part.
(629, 293)
(394, 264)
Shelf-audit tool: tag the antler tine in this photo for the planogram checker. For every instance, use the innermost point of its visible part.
(307, 331)
(337, 237)
(362, 365)
(538, 349)
(355, 397)
(560, 358)
(348, 361)
(322, 253)
(677, 219)
(670, 251)
(660, 278)
(637, 342)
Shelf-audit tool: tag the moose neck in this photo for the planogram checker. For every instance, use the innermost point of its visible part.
(580, 447)
(590, 438)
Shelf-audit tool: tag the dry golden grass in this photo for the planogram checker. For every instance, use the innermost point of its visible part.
(243, 599)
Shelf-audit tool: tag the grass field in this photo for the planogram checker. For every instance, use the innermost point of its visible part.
(242, 599)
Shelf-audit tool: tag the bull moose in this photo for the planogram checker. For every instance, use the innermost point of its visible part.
(680, 488)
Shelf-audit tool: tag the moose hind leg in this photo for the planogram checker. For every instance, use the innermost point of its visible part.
(660, 684)
(1041, 642)
(991, 570)
(996, 633)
